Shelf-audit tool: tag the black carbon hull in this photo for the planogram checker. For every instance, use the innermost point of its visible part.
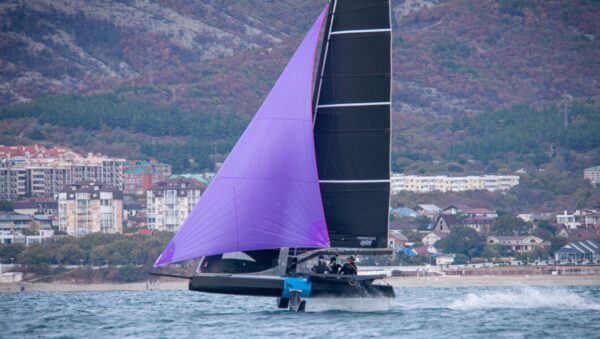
(319, 286)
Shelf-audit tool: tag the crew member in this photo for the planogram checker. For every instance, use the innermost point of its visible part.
(320, 267)
(333, 267)
(349, 268)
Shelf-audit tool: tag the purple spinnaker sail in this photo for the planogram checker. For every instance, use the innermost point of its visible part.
(266, 194)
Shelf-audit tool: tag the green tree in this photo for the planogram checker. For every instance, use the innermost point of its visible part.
(463, 240)
(423, 222)
(10, 251)
(461, 259)
(543, 233)
(491, 251)
(37, 255)
(69, 254)
(546, 225)
(557, 243)
(510, 225)
(99, 255)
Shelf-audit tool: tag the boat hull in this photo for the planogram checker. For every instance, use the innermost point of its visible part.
(317, 286)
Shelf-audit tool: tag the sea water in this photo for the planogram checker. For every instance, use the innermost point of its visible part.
(512, 312)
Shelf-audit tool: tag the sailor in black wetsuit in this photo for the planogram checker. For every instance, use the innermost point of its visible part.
(349, 268)
(320, 267)
(333, 267)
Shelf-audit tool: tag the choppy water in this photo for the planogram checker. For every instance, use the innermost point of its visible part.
(416, 312)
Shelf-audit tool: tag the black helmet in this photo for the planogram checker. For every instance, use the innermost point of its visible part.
(332, 259)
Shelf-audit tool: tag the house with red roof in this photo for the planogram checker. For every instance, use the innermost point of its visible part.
(397, 239)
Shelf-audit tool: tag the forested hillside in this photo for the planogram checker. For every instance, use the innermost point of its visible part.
(477, 87)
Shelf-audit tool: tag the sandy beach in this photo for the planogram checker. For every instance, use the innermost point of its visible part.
(400, 282)
(68, 287)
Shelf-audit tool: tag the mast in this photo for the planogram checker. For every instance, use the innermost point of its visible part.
(352, 122)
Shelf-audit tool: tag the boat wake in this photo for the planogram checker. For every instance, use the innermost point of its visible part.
(350, 304)
(523, 298)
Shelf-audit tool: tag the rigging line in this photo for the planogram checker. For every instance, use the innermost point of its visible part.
(323, 61)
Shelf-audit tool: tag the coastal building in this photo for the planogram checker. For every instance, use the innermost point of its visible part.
(169, 202)
(138, 176)
(8, 237)
(397, 239)
(577, 251)
(577, 234)
(445, 221)
(428, 210)
(90, 207)
(36, 171)
(444, 259)
(14, 222)
(403, 224)
(432, 237)
(12, 183)
(33, 206)
(567, 220)
(457, 209)
(482, 213)
(518, 244)
(131, 208)
(482, 225)
(535, 217)
(443, 183)
(204, 178)
(403, 212)
(580, 218)
(14, 226)
(593, 175)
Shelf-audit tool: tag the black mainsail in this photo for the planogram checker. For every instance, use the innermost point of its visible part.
(353, 122)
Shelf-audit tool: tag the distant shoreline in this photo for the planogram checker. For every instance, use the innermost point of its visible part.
(399, 282)
(72, 287)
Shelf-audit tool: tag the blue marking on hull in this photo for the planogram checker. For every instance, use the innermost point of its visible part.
(302, 284)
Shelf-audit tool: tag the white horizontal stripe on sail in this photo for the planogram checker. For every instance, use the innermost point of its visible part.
(354, 31)
(356, 104)
(353, 181)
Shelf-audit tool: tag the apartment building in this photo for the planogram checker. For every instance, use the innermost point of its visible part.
(90, 207)
(36, 171)
(169, 202)
(585, 218)
(443, 183)
(593, 175)
(138, 176)
(13, 183)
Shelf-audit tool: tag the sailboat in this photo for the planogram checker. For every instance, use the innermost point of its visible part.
(310, 175)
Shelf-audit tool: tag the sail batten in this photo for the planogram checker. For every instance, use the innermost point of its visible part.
(266, 195)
